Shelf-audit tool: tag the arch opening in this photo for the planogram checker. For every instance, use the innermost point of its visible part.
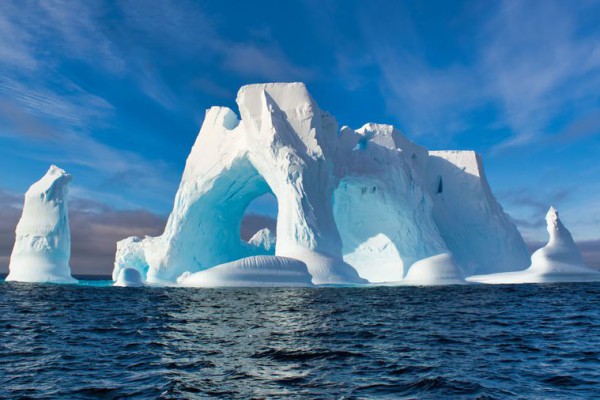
(258, 226)
(208, 230)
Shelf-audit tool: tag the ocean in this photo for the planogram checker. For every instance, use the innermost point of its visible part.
(473, 342)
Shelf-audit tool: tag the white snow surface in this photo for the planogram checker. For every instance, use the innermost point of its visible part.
(256, 271)
(129, 277)
(354, 206)
(558, 261)
(434, 271)
(43, 242)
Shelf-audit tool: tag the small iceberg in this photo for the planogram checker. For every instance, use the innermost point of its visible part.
(43, 240)
(558, 261)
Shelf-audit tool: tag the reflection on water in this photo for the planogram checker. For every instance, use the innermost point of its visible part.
(465, 341)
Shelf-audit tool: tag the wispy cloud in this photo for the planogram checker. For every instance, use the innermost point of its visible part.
(585, 127)
(26, 26)
(265, 62)
(62, 125)
(69, 107)
(186, 28)
(527, 65)
(538, 64)
(57, 118)
(529, 206)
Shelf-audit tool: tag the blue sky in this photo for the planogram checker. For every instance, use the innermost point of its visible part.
(115, 92)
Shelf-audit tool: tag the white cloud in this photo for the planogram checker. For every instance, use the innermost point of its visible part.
(527, 64)
(537, 65)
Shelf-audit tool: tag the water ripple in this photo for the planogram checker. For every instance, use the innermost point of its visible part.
(485, 342)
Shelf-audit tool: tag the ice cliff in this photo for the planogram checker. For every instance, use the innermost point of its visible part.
(558, 261)
(481, 237)
(43, 243)
(354, 206)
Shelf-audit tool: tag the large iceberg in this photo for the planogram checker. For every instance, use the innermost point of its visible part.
(354, 206)
(43, 242)
(558, 261)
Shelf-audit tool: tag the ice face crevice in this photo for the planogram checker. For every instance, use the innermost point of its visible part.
(43, 241)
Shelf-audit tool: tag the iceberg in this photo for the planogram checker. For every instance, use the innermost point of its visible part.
(281, 146)
(265, 240)
(354, 206)
(558, 261)
(43, 241)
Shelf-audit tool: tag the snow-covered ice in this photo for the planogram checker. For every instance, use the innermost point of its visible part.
(558, 261)
(129, 277)
(265, 240)
(434, 271)
(256, 271)
(43, 241)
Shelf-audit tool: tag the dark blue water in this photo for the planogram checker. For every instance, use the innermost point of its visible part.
(527, 341)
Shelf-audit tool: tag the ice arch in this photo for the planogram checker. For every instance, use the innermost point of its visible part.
(205, 229)
(280, 145)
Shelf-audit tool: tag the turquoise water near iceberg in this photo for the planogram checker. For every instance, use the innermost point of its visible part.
(92, 340)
